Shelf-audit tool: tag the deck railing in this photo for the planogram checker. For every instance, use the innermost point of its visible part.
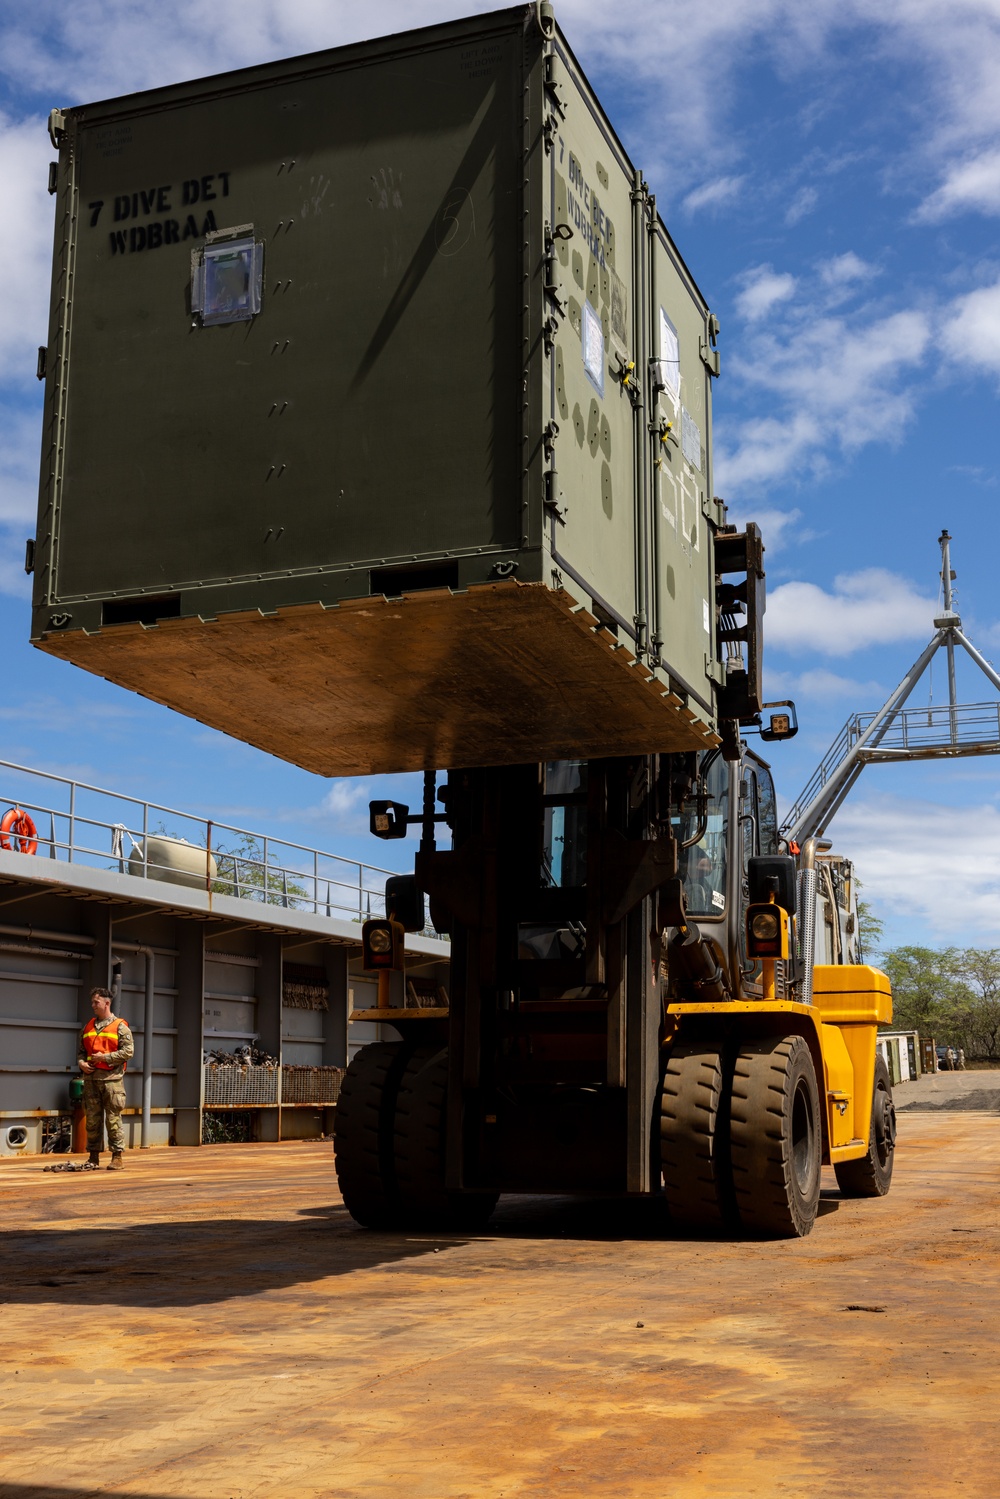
(102, 829)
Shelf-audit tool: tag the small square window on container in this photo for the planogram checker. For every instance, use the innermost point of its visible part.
(227, 275)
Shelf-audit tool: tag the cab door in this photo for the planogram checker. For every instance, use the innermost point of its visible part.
(757, 823)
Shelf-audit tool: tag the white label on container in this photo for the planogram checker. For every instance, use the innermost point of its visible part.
(718, 900)
(690, 439)
(593, 347)
(705, 616)
(670, 358)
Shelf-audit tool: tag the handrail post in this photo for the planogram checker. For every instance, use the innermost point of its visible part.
(72, 820)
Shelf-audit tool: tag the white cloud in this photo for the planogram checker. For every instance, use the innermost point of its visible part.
(841, 270)
(835, 388)
(971, 329)
(763, 289)
(803, 203)
(896, 840)
(866, 608)
(25, 246)
(713, 195)
(342, 798)
(776, 526)
(972, 184)
(820, 685)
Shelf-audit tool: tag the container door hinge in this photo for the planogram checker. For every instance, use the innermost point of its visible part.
(53, 176)
(714, 670)
(553, 496)
(57, 127)
(708, 347)
(561, 231)
(554, 82)
(29, 555)
(550, 330)
(625, 374)
(550, 134)
(713, 509)
(41, 365)
(664, 430)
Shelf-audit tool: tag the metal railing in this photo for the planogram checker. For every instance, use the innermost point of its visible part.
(102, 829)
(918, 733)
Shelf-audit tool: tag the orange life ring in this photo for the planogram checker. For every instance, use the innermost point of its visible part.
(18, 831)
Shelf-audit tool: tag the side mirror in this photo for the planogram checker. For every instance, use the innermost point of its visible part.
(781, 725)
(388, 819)
(775, 874)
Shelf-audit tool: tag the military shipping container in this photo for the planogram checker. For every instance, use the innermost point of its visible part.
(378, 413)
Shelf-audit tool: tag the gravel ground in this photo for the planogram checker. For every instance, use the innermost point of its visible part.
(951, 1091)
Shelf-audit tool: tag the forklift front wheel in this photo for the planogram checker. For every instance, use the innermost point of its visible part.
(775, 1137)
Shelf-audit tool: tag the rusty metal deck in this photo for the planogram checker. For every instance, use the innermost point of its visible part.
(210, 1324)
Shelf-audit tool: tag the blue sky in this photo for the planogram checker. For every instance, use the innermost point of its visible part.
(831, 173)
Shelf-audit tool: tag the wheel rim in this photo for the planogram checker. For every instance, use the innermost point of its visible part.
(803, 1153)
(885, 1125)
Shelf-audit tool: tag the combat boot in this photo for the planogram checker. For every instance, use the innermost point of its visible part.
(117, 1161)
(93, 1161)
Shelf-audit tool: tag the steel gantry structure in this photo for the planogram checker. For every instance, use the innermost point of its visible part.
(897, 732)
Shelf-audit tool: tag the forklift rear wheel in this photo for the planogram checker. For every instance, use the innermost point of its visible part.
(871, 1176)
(694, 1138)
(420, 1150)
(363, 1134)
(775, 1137)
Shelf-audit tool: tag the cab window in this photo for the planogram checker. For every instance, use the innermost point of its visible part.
(702, 822)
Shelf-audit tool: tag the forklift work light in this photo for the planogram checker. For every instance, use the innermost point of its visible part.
(765, 926)
(767, 931)
(780, 725)
(382, 942)
(388, 819)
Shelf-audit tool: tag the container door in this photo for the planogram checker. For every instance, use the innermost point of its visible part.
(683, 608)
(589, 211)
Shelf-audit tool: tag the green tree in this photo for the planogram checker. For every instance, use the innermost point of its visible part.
(980, 972)
(870, 929)
(929, 991)
(241, 871)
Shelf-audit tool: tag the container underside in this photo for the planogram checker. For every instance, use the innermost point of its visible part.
(503, 674)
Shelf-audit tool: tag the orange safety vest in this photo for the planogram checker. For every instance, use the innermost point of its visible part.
(97, 1042)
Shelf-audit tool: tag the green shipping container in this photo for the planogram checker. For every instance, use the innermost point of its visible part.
(378, 412)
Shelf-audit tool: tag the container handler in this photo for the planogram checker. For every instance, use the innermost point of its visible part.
(378, 435)
(633, 1006)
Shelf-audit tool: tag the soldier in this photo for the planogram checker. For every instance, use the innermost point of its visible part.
(105, 1046)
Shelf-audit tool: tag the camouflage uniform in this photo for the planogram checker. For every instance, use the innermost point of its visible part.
(104, 1091)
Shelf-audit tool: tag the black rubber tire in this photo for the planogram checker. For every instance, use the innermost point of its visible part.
(871, 1176)
(420, 1147)
(775, 1137)
(694, 1143)
(363, 1134)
